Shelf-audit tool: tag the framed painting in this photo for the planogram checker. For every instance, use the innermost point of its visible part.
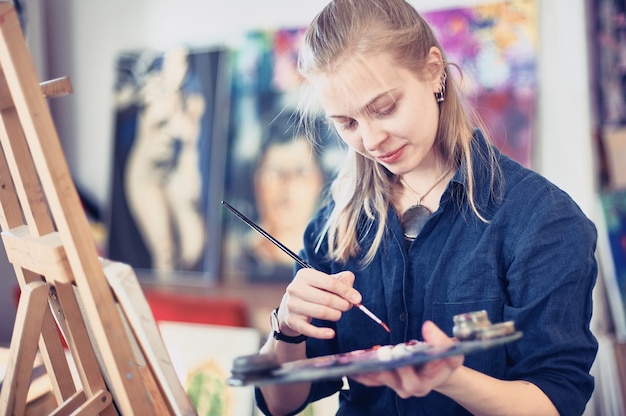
(168, 162)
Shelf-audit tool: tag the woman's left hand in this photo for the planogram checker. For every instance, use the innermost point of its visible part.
(412, 381)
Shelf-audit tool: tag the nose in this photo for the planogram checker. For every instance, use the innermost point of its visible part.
(372, 135)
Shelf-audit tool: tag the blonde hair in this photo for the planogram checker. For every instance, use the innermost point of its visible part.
(348, 28)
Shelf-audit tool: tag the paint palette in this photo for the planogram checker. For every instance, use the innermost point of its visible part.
(265, 369)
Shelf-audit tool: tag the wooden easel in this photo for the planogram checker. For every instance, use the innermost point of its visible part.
(115, 361)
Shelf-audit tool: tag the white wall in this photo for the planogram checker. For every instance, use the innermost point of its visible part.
(565, 150)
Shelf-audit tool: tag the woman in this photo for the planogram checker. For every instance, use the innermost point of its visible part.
(427, 220)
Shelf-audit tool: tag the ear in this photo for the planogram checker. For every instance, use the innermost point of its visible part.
(434, 65)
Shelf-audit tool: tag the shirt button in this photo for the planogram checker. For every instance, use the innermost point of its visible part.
(402, 317)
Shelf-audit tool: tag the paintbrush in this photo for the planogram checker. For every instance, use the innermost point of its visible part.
(297, 258)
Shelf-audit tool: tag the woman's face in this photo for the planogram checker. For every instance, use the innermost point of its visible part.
(383, 111)
(287, 186)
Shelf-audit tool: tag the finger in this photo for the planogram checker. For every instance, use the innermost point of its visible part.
(350, 294)
(314, 294)
(418, 383)
(340, 284)
(380, 378)
(322, 289)
(391, 379)
(430, 369)
(301, 325)
(316, 304)
(294, 324)
(345, 277)
(434, 335)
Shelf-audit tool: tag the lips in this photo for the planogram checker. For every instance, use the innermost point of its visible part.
(391, 157)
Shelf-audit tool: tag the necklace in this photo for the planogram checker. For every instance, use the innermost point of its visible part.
(415, 216)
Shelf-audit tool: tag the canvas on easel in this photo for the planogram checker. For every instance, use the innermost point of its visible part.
(82, 314)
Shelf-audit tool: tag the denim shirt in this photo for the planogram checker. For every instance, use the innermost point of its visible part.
(533, 262)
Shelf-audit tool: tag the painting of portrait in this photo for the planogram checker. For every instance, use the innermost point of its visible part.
(275, 176)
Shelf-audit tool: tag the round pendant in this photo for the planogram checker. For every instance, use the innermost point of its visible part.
(413, 220)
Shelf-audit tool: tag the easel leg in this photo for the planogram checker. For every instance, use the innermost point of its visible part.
(30, 312)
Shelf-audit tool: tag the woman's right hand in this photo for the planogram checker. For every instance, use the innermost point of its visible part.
(314, 294)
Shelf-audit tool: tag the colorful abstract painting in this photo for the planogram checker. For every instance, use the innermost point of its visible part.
(495, 47)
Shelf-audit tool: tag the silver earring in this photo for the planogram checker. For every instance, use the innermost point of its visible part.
(441, 95)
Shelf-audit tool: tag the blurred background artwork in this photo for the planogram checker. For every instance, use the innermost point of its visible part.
(203, 364)
(166, 128)
(274, 175)
(608, 58)
(609, 63)
(495, 45)
(613, 255)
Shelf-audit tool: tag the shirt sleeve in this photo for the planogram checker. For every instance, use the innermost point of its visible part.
(550, 280)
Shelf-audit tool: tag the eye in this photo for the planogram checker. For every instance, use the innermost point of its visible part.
(385, 105)
(387, 109)
(346, 124)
